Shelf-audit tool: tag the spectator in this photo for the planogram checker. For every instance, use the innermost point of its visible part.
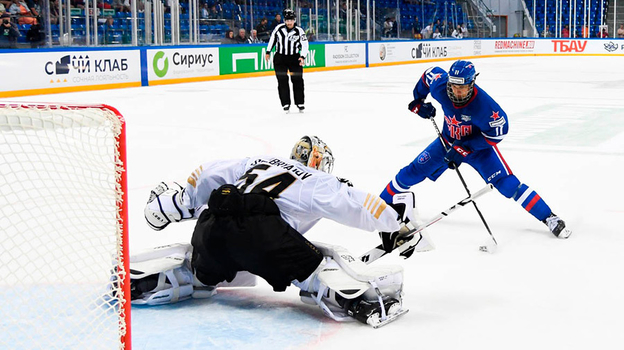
(263, 30)
(620, 31)
(241, 38)
(216, 13)
(395, 28)
(53, 12)
(78, 4)
(19, 9)
(8, 32)
(253, 37)
(2, 8)
(565, 32)
(229, 37)
(427, 31)
(604, 33)
(35, 36)
(457, 33)
(437, 26)
(103, 5)
(276, 22)
(204, 13)
(416, 29)
(437, 34)
(387, 27)
(311, 34)
(444, 29)
(464, 30)
(547, 33)
(585, 31)
(120, 5)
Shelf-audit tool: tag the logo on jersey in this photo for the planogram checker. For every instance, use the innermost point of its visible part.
(293, 37)
(493, 176)
(456, 130)
(347, 258)
(424, 157)
(430, 76)
(498, 120)
(466, 118)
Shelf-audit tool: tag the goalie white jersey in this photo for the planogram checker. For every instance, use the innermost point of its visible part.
(303, 195)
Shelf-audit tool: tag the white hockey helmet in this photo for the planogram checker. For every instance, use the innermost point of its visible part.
(314, 153)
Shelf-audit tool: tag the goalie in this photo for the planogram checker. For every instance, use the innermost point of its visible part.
(251, 216)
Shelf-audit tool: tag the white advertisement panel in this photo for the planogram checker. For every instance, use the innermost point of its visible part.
(178, 63)
(63, 69)
(563, 46)
(414, 51)
(345, 54)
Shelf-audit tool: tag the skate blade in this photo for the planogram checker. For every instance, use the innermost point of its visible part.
(565, 233)
(376, 323)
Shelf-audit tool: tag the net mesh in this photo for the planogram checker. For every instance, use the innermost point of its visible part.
(61, 244)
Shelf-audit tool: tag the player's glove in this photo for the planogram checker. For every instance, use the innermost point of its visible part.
(423, 109)
(456, 154)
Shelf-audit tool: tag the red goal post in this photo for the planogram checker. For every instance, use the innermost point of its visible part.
(64, 262)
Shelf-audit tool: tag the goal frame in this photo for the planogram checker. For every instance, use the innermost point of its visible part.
(122, 207)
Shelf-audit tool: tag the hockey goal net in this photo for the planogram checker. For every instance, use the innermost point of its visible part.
(64, 281)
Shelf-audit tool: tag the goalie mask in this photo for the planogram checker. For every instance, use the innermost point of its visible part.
(461, 76)
(314, 153)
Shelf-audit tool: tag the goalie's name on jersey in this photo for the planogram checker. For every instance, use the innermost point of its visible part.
(286, 166)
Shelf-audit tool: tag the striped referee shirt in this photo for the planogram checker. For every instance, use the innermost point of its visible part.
(288, 41)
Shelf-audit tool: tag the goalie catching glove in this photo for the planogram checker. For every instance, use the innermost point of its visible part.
(166, 205)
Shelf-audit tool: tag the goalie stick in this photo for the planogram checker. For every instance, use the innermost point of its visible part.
(378, 251)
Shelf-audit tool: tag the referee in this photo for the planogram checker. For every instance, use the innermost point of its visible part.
(290, 53)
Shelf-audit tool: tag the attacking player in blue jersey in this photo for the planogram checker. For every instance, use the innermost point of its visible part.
(473, 125)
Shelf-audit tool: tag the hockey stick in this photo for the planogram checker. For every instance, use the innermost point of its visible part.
(378, 251)
(487, 247)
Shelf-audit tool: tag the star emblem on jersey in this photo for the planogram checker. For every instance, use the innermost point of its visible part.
(436, 77)
(452, 121)
(498, 121)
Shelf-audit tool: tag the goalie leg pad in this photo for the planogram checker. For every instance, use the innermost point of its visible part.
(163, 275)
(341, 281)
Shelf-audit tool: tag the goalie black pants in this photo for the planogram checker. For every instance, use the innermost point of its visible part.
(245, 232)
(283, 64)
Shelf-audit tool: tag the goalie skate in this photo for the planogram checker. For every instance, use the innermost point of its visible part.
(371, 313)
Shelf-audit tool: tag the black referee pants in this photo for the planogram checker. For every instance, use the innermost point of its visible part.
(283, 64)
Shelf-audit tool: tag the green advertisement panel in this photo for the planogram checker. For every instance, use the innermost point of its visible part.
(251, 58)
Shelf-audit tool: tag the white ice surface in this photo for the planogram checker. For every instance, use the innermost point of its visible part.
(537, 292)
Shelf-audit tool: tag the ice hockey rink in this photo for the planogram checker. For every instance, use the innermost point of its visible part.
(566, 141)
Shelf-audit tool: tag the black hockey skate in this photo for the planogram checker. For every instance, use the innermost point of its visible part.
(301, 108)
(370, 313)
(557, 226)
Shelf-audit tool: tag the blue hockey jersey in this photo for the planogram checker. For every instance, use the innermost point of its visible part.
(479, 124)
